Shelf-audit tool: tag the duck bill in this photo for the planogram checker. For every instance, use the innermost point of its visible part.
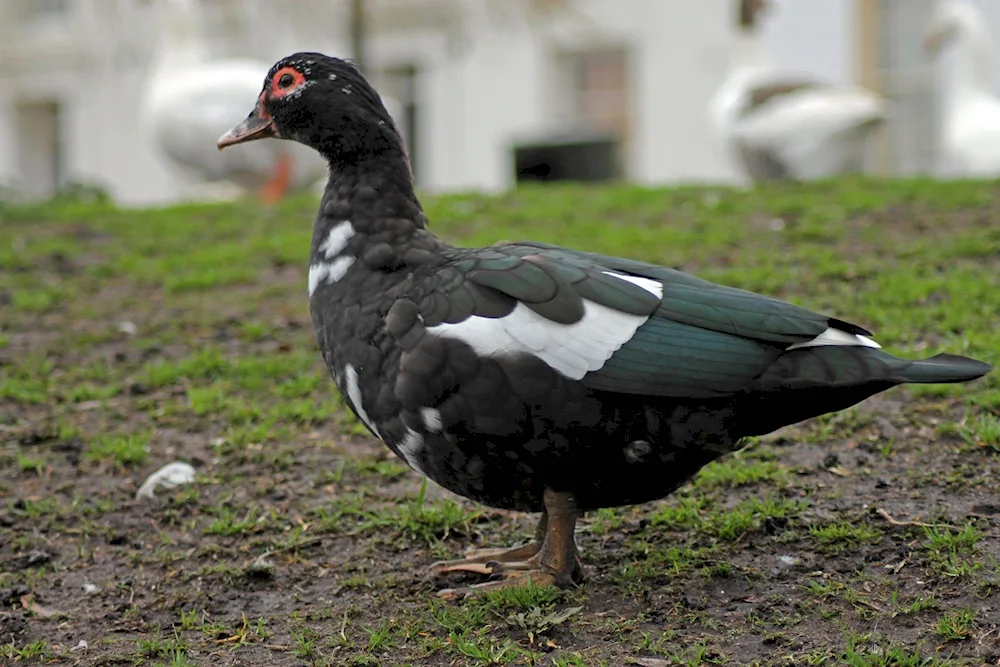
(256, 126)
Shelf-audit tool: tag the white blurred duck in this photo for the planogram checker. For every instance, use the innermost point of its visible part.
(776, 126)
(191, 99)
(970, 113)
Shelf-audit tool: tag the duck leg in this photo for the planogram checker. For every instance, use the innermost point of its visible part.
(277, 185)
(555, 562)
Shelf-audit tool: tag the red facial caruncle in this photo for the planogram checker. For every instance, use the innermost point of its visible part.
(286, 81)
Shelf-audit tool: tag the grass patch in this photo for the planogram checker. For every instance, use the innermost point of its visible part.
(229, 521)
(983, 431)
(425, 521)
(880, 651)
(36, 651)
(955, 625)
(951, 552)
(122, 450)
(837, 536)
(736, 471)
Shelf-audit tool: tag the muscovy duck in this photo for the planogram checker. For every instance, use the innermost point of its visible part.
(776, 125)
(970, 111)
(533, 377)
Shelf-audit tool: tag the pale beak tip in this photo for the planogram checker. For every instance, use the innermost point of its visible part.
(224, 140)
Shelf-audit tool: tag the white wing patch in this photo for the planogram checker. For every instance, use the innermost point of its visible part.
(431, 418)
(836, 337)
(654, 287)
(411, 444)
(354, 393)
(328, 271)
(335, 243)
(572, 349)
(337, 238)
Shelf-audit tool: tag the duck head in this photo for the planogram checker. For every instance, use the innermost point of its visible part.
(324, 103)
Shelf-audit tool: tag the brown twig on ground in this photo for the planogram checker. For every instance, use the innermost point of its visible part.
(895, 522)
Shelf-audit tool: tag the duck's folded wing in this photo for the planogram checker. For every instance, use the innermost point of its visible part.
(611, 323)
(706, 339)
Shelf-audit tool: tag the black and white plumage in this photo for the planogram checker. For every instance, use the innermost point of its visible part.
(533, 377)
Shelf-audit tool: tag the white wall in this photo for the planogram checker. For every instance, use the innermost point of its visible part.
(815, 36)
(92, 61)
(682, 59)
(499, 88)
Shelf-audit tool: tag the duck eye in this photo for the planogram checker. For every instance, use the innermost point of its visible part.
(286, 80)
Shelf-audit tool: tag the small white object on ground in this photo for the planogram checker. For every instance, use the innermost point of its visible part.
(169, 476)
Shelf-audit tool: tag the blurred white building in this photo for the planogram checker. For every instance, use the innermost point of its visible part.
(472, 78)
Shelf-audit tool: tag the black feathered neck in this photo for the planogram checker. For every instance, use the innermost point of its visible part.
(370, 213)
(337, 112)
